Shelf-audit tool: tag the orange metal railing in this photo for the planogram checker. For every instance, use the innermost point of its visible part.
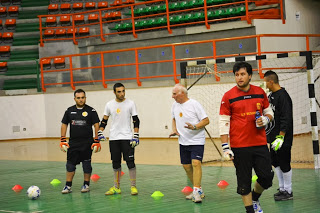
(103, 65)
(248, 17)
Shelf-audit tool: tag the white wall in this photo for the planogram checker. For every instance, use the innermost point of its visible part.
(308, 24)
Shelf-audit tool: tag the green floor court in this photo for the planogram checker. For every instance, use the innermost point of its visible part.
(167, 179)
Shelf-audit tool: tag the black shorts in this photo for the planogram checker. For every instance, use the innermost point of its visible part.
(187, 153)
(281, 158)
(79, 153)
(256, 157)
(118, 147)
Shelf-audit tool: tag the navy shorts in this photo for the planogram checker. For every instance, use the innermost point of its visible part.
(187, 153)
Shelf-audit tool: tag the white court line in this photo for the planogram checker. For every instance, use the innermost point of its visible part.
(8, 211)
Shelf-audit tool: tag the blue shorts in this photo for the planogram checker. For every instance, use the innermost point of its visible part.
(187, 153)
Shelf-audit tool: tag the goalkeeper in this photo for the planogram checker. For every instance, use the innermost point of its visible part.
(121, 141)
(81, 117)
(280, 135)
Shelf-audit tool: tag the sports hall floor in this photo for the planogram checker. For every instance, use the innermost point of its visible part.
(37, 162)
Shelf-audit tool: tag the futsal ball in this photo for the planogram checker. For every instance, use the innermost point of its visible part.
(33, 192)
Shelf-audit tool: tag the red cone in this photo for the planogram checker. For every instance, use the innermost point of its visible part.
(122, 173)
(223, 184)
(17, 188)
(187, 190)
(95, 177)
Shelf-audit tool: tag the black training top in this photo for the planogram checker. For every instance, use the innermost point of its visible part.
(281, 104)
(81, 121)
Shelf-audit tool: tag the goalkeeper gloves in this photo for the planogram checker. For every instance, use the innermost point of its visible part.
(227, 152)
(277, 143)
(64, 146)
(101, 136)
(135, 140)
(96, 146)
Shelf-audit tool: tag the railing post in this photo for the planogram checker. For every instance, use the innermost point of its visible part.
(168, 17)
(101, 27)
(259, 53)
(215, 59)
(74, 32)
(137, 67)
(206, 14)
(42, 77)
(282, 12)
(247, 12)
(71, 74)
(176, 80)
(40, 29)
(307, 43)
(133, 24)
(102, 71)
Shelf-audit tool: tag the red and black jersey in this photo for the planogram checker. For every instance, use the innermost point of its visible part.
(241, 107)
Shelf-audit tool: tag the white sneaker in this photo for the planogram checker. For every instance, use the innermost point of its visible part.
(257, 207)
(196, 197)
(189, 197)
(85, 188)
(66, 190)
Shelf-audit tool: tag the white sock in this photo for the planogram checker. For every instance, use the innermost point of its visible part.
(280, 178)
(196, 189)
(287, 177)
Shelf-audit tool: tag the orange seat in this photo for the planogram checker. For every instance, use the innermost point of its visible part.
(51, 21)
(65, 7)
(93, 17)
(65, 20)
(59, 62)
(7, 37)
(117, 15)
(102, 4)
(90, 5)
(116, 3)
(128, 2)
(3, 11)
(52, 8)
(84, 31)
(10, 23)
(77, 6)
(70, 31)
(13, 10)
(1, 24)
(61, 32)
(79, 19)
(46, 63)
(3, 66)
(5, 51)
(49, 33)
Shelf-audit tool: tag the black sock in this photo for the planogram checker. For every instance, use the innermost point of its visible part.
(86, 182)
(255, 196)
(249, 209)
(69, 183)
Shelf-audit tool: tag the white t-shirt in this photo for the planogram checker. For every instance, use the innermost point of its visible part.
(120, 114)
(192, 112)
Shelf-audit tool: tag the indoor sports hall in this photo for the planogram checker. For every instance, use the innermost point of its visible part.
(50, 48)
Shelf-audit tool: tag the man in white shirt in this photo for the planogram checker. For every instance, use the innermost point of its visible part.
(121, 141)
(189, 120)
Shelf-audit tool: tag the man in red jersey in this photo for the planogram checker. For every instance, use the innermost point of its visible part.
(244, 112)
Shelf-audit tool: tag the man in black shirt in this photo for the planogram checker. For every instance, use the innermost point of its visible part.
(81, 117)
(280, 135)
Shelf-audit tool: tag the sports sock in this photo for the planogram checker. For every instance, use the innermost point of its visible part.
(287, 181)
(280, 178)
(249, 209)
(255, 196)
(133, 175)
(117, 176)
(86, 182)
(69, 183)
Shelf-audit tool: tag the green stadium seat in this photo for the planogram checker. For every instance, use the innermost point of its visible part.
(197, 16)
(174, 6)
(239, 11)
(161, 22)
(150, 23)
(160, 8)
(116, 27)
(191, 4)
(126, 26)
(176, 19)
(138, 25)
(187, 18)
(183, 5)
(146, 11)
(199, 3)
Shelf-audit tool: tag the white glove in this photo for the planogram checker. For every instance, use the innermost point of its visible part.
(101, 136)
(277, 143)
(135, 140)
(227, 152)
(265, 120)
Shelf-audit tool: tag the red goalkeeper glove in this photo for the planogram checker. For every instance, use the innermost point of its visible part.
(64, 146)
(96, 146)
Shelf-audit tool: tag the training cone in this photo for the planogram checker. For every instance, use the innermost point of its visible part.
(254, 178)
(95, 177)
(17, 188)
(157, 195)
(55, 182)
(187, 190)
(223, 184)
(122, 173)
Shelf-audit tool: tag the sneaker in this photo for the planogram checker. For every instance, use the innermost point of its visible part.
(113, 190)
(134, 190)
(66, 190)
(278, 193)
(189, 197)
(284, 196)
(196, 197)
(85, 188)
(257, 207)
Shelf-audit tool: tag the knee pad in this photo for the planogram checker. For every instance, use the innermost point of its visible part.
(243, 190)
(70, 167)
(116, 164)
(266, 182)
(131, 164)
(86, 165)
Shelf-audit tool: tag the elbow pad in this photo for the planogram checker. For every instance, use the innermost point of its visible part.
(103, 123)
(268, 111)
(136, 121)
(224, 124)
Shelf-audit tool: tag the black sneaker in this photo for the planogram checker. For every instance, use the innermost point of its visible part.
(284, 196)
(278, 193)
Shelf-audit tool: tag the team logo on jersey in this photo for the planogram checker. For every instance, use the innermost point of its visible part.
(180, 114)
(118, 110)
(84, 114)
(258, 106)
